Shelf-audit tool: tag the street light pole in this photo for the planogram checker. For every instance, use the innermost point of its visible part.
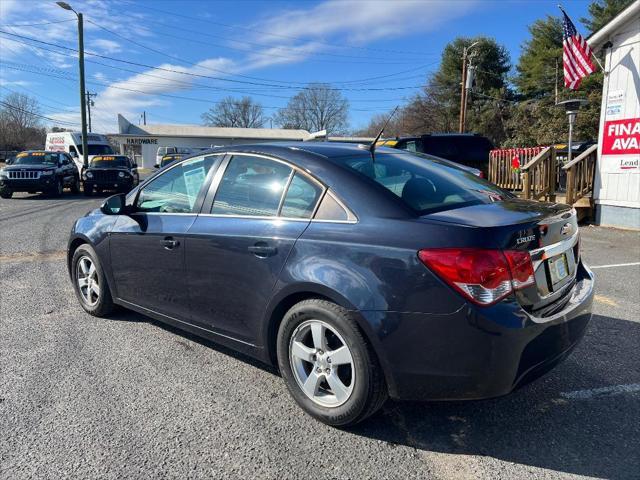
(83, 106)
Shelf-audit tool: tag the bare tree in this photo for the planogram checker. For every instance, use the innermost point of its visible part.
(20, 126)
(317, 107)
(230, 112)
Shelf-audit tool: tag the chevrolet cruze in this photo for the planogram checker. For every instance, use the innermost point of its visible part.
(360, 274)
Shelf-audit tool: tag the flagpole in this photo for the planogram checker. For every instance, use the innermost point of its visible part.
(594, 55)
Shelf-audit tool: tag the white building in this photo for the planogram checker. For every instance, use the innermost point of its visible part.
(617, 181)
(142, 141)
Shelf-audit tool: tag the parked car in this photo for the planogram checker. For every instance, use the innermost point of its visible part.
(39, 171)
(168, 159)
(471, 150)
(110, 172)
(360, 277)
(172, 150)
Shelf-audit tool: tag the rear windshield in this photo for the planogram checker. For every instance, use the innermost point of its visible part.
(424, 183)
(36, 158)
(109, 162)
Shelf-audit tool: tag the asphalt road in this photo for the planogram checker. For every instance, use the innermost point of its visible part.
(83, 398)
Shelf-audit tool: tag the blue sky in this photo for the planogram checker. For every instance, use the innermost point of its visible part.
(378, 52)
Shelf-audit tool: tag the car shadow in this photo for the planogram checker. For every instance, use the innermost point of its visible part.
(538, 425)
(124, 315)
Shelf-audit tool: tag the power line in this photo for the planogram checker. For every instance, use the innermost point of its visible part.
(41, 103)
(191, 74)
(8, 105)
(35, 24)
(180, 97)
(250, 91)
(278, 47)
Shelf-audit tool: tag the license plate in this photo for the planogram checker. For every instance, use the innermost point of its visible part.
(558, 268)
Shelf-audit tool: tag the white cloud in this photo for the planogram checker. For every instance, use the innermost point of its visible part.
(106, 46)
(362, 21)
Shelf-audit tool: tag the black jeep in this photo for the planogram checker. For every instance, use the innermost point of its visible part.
(39, 171)
(110, 172)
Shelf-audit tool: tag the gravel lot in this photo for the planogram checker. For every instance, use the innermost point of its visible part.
(82, 397)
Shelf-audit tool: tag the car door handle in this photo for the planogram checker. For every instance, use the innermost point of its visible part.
(262, 250)
(169, 243)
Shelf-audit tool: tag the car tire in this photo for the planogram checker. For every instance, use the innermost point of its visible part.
(75, 187)
(58, 190)
(86, 274)
(343, 394)
(88, 191)
(6, 194)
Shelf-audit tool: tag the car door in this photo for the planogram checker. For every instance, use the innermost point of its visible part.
(256, 210)
(147, 245)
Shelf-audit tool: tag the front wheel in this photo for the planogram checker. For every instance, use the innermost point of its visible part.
(90, 283)
(327, 364)
(88, 190)
(58, 189)
(6, 194)
(75, 187)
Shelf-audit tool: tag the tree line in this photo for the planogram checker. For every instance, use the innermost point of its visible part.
(510, 106)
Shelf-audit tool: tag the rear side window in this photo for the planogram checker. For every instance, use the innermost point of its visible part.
(423, 183)
(251, 186)
(301, 198)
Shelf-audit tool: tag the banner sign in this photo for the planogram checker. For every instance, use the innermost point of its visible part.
(621, 137)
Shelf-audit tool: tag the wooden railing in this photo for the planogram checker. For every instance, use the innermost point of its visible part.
(539, 176)
(580, 172)
(501, 168)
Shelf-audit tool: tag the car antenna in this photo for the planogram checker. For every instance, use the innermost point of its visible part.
(372, 146)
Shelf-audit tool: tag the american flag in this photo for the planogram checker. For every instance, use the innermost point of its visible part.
(577, 57)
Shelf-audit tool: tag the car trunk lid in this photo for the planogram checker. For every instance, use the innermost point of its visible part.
(548, 231)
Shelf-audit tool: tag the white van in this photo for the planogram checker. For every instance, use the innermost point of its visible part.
(172, 150)
(71, 142)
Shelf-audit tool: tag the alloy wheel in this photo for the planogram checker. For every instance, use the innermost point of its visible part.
(322, 363)
(87, 279)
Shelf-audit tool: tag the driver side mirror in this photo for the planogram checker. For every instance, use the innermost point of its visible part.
(156, 166)
(115, 205)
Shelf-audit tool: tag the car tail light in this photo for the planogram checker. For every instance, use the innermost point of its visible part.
(482, 276)
(481, 174)
(521, 268)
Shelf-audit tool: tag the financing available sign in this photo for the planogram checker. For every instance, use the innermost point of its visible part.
(622, 137)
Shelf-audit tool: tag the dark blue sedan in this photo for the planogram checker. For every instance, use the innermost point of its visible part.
(360, 275)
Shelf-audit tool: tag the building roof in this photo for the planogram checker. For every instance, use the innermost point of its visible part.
(127, 128)
(602, 36)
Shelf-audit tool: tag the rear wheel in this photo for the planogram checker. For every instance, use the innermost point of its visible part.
(89, 282)
(328, 366)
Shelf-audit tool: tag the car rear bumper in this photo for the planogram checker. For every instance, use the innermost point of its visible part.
(478, 352)
(29, 185)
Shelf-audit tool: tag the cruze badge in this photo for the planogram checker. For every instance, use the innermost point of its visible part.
(522, 240)
(566, 229)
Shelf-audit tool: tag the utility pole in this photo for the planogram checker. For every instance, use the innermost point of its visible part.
(83, 106)
(89, 105)
(463, 86)
(144, 117)
(463, 90)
